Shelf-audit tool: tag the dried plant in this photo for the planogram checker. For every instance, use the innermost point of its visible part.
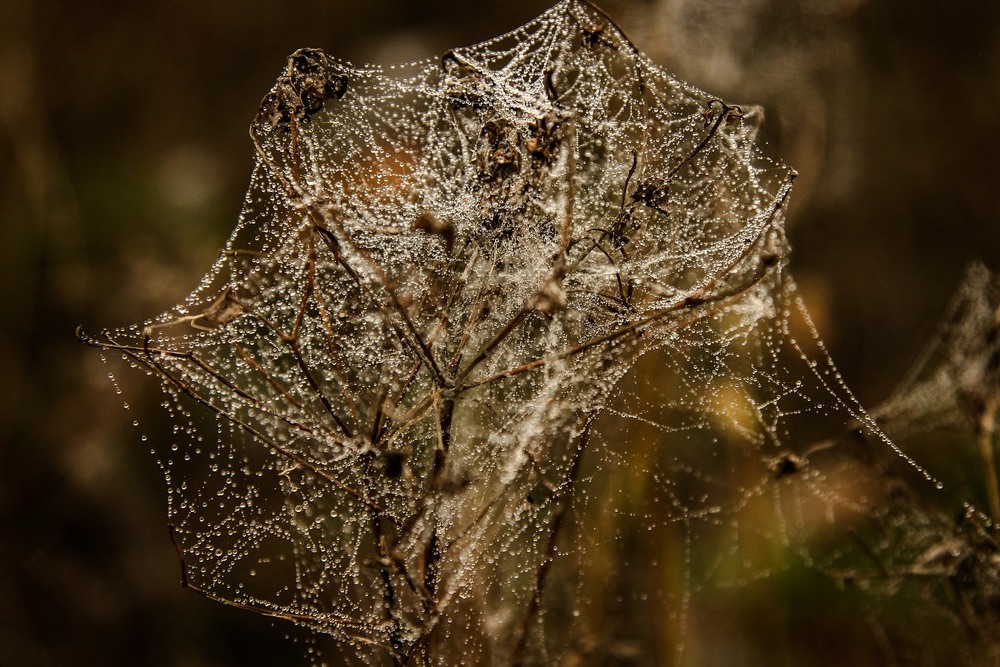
(417, 354)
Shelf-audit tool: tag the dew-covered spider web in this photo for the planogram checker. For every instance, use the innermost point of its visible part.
(503, 365)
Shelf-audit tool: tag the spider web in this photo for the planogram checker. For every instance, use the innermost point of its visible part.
(497, 335)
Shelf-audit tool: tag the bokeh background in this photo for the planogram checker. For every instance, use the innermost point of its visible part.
(124, 158)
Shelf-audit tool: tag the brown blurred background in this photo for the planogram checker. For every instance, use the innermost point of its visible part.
(123, 162)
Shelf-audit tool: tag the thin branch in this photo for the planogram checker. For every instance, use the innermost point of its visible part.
(500, 336)
(182, 386)
(987, 432)
(564, 495)
(267, 376)
(261, 608)
(423, 349)
(634, 328)
(334, 350)
(139, 354)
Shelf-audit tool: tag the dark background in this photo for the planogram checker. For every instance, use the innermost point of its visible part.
(124, 159)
